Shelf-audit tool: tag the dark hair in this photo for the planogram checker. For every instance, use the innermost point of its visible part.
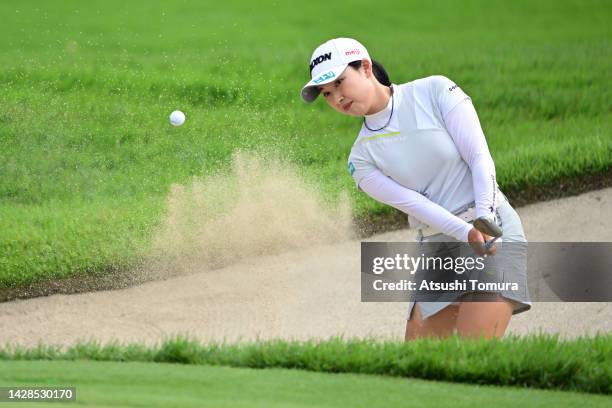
(379, 71)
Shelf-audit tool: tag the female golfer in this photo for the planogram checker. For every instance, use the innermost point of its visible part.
(421, 150)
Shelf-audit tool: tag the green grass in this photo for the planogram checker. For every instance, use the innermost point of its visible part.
(164, 385)
(88, 156)
(582, 364)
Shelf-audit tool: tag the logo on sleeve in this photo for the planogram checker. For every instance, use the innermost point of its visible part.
(492, 208)
(351, 168)
(452, 88)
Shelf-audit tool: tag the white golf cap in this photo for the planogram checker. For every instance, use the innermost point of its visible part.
(328, 62)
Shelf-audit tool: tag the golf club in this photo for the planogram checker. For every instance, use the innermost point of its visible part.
(488, 226)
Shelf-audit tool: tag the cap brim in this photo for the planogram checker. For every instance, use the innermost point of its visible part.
(311, 90)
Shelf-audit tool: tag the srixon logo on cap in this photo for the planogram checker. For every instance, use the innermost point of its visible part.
(320, 59)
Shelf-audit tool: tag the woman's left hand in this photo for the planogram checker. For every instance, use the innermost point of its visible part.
(477, 241)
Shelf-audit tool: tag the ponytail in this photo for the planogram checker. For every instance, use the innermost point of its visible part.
(379, 71)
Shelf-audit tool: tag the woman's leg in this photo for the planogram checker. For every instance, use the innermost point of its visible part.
(441, 324)
(487, 319)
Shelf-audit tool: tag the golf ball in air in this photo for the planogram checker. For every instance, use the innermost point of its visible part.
(177, 118)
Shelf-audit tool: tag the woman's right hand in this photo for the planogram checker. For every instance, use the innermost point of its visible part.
(477, 241)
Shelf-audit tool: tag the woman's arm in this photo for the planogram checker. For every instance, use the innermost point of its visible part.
(464, 127)
(388, 191)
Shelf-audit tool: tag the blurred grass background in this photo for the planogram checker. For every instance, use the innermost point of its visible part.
(86, 88)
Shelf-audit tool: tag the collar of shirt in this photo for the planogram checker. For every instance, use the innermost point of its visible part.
(380, 118)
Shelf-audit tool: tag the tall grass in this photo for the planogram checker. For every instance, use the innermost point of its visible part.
(538, 361)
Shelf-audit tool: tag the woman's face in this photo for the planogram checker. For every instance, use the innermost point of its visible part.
(352, 92)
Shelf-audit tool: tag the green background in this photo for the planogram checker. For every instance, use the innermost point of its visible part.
(86, 88)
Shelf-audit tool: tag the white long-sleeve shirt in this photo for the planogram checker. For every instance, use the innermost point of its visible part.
(432, 158)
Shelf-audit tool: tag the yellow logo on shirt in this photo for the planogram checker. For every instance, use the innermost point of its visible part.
(374, 137)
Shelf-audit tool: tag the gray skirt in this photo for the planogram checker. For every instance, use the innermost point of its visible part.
(513, 270)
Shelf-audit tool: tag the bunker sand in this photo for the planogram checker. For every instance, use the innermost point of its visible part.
(309, 293)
